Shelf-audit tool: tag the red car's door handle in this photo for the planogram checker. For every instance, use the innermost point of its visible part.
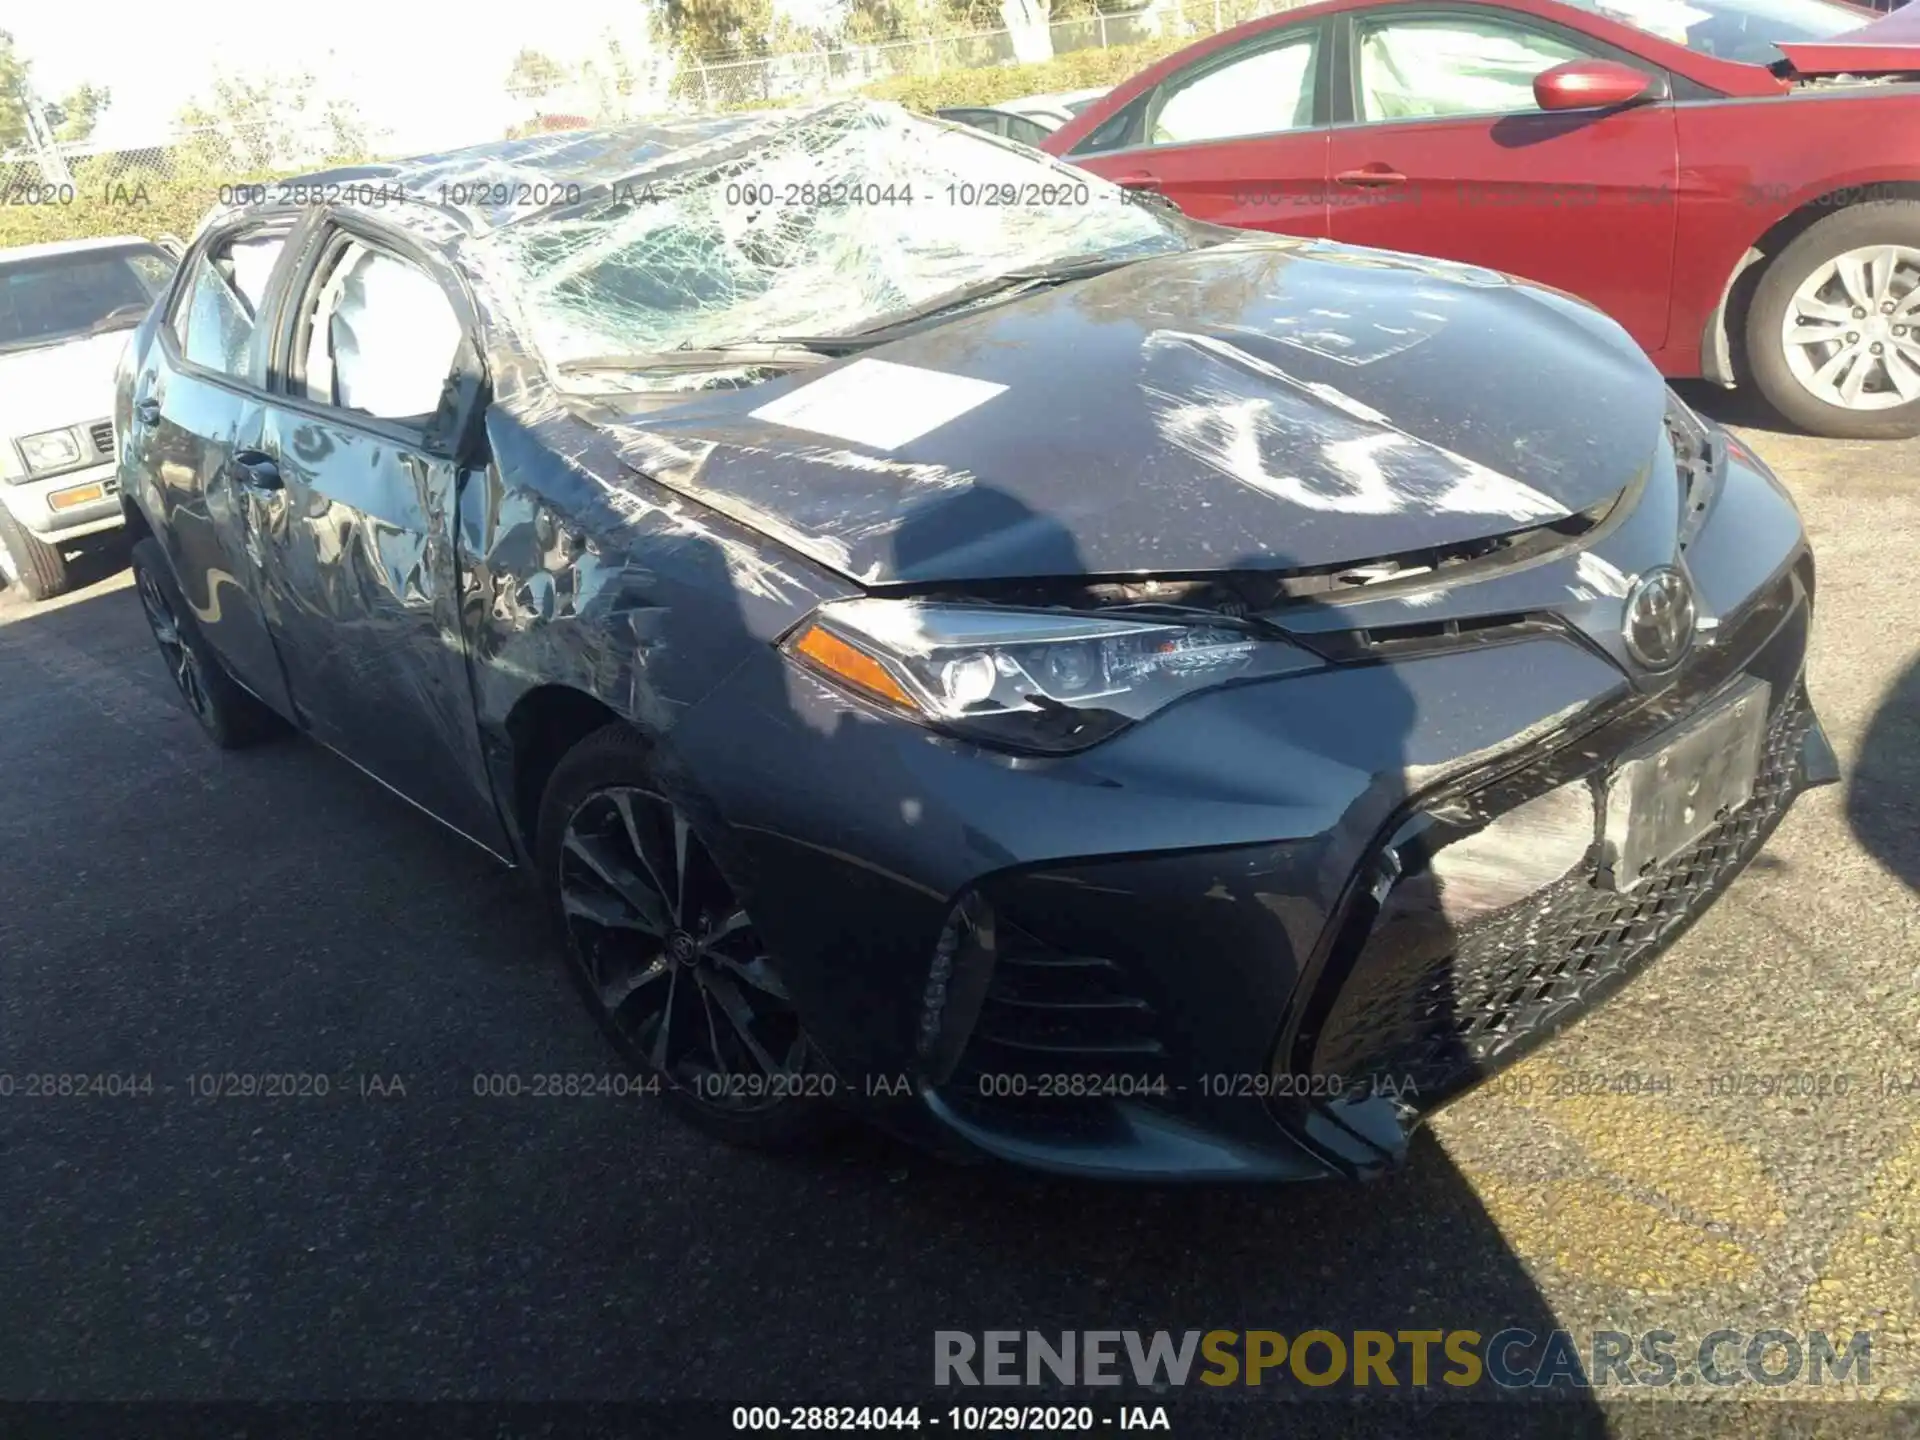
(1371, 175)
(1137, 180)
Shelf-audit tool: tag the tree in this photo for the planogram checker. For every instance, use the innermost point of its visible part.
(74, 117)
(14, 93)
(255, 125)
(711, 29)
(533, 74)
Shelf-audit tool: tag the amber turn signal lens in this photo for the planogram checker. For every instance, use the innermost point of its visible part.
(855, 667)
(78, 495)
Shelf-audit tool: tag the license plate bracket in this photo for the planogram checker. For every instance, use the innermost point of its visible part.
(1668, 792)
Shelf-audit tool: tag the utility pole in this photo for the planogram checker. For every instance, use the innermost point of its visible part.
(53, 167)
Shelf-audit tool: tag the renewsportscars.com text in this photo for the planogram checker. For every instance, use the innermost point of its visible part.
(1510, 1359)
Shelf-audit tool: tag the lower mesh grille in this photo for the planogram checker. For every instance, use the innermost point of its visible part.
(1428, 1027)
(1049, 1014)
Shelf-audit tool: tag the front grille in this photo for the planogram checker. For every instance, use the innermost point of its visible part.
(1428, 1027)
(101, 433)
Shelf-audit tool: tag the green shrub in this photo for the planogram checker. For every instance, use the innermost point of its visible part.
(146, 208)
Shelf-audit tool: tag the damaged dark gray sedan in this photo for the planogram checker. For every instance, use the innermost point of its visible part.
(954, 642)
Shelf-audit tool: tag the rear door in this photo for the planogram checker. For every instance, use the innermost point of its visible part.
(1439, 149)
(1239, 137)
(378, 378)
(199, 387)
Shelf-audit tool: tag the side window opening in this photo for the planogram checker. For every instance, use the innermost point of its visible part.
(1027, 132)
(1267, 91)
(1431, 68)
(1118, 130)
(381, 337)
(215, 321)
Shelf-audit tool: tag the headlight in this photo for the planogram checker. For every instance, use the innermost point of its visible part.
(50, 450)
(1027, 679)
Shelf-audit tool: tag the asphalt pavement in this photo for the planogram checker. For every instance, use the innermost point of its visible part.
(374, 1228)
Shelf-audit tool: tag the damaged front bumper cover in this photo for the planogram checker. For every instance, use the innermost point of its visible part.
(1215, 1003)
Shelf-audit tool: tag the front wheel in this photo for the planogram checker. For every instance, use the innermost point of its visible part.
(37, 569)
(666, 955)
(1833, 334)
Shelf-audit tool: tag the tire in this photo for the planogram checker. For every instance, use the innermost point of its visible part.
(673, 980)
(232, 718)
(39, 569)
(1781, 369)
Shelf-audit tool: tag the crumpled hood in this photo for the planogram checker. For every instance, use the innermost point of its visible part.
(1269, 404)
(1887, 45)
(67, 384)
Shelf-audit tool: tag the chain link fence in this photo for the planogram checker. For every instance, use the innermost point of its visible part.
(731, 83)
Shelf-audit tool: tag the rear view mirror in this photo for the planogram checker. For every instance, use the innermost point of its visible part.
(1591, 85)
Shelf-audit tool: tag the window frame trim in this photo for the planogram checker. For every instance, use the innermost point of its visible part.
(445, 435)
(180, 293)
(1318, 31)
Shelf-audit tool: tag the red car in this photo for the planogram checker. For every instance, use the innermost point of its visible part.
(1737, 182)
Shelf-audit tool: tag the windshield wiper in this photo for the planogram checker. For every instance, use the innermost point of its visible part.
(788, 351)
(1008, 284)
(121, 317)
(782, 354)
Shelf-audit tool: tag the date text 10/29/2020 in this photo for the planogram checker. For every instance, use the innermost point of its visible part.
(1015, 1419)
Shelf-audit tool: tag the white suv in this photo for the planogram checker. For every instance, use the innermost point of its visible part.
(66, 311)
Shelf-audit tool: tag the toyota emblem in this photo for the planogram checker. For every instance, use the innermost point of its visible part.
(1658, 626)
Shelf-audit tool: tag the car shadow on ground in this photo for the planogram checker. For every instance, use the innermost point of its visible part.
(1886, 779)
(467, 1247)
(1742, 406)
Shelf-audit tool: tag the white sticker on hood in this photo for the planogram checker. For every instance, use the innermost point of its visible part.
(878, 403)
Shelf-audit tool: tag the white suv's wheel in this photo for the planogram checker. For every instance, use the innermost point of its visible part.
(1833, 335)
(35, 567)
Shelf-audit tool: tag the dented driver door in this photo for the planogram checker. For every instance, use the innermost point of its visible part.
(355, 549)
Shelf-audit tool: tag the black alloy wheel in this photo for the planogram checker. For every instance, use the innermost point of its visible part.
(179, 656)
(231, 717)
(668, 956)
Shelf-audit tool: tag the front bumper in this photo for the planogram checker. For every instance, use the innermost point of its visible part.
(68, 506)
(1183, 954)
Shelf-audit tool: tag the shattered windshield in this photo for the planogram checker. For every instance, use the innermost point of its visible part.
(821, 224)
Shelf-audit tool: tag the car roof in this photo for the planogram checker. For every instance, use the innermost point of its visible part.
(1056, 100)
(70, 247)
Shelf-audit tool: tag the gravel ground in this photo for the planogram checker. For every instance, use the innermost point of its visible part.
(170, 911)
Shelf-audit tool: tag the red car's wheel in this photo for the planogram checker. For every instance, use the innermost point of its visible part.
(1833, 335)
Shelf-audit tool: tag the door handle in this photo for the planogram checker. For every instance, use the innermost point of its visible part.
(1371, 175)
(147, 411)
(255, 471)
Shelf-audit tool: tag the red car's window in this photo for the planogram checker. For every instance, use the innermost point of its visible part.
(1259, 93)
(1416, 68)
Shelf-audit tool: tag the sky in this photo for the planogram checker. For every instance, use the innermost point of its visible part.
(432, 76)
